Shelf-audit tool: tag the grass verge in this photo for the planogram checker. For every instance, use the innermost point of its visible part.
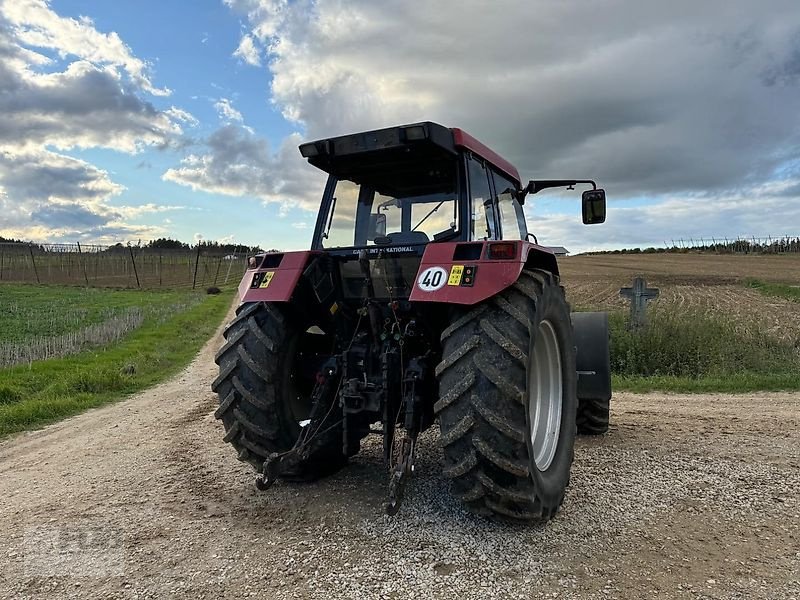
(45, 391)
(700, 352)
(777, 290)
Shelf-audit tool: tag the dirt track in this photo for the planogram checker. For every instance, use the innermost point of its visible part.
(687, 497)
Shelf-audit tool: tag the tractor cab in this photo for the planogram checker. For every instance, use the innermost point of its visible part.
(404, 187)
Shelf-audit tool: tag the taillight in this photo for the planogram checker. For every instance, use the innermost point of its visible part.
(501, 251)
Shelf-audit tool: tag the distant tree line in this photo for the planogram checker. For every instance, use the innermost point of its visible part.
(205, 246)
(738, 246)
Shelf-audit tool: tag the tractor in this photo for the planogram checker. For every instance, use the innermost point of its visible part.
(423, 299)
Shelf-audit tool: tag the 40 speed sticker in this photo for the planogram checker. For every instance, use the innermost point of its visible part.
(432, 279)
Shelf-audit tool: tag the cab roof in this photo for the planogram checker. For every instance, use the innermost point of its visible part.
(381, 148)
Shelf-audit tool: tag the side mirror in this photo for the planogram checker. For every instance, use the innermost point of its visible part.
(377, 226)
(593, 204)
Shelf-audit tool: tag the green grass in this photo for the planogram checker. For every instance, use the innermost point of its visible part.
(29, 311)
(700, 352)
(739, 383)
(45, 391)
(778, 290)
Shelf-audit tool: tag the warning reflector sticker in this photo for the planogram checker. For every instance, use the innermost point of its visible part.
(456, 271)
(267, 279)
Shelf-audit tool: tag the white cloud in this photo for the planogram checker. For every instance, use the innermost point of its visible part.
(178, 114)
(36, 24)
(92, 97)
(226, 111)
(248, 52)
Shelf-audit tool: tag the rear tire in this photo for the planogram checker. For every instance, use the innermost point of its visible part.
(593, 363)
(260, 404)
(593, 416)
(499, 358)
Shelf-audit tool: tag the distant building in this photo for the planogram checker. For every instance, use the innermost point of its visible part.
(559, 250)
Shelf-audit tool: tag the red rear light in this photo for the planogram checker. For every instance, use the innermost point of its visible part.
(502, 251)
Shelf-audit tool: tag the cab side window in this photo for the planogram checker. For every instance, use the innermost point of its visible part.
(512, 217)
(482, 212)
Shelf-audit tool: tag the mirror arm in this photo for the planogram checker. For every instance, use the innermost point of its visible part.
(535, 187)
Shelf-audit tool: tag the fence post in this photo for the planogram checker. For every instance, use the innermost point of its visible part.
(83, 263)
(33, 260)
(133, 262)
(216, 274)
(230, 263)
(196, 263)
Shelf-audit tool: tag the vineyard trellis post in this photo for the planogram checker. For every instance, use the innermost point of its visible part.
(133, 262)
(230, 263)
(83, 263)
(216, 274)
(33, 260)
(196, 264)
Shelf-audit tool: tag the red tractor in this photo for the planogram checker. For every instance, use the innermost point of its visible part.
(422, 298)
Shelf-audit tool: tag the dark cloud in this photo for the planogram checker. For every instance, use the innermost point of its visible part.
(74, 217)
(40, 176)
(651, 98)
(237, 162)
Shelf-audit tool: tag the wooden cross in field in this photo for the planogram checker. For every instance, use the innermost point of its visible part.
(638, 294)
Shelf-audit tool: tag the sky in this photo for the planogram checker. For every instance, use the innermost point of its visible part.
(127, 121)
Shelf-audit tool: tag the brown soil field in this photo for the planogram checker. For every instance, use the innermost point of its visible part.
(705, 282)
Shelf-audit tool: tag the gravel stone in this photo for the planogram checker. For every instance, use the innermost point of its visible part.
(687, 497)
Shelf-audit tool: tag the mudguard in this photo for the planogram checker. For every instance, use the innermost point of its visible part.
(275, 277)
(462, 273)
(593, 362)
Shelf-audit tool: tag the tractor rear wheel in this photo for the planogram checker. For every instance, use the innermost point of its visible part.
(508, 400)
(266, 374)
(593, 416)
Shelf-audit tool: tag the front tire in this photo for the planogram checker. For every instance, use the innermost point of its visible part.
(508, 401)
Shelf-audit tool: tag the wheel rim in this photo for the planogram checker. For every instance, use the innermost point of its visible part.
(545, 395)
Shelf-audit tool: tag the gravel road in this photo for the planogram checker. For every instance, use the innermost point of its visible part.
(686, 497)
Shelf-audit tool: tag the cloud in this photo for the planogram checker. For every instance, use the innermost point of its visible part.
(178, 114)
(650, 99)
(226, 111)
(248, 52)
(45, 195)
(91, 97)
(237, 162)
(36, 25)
